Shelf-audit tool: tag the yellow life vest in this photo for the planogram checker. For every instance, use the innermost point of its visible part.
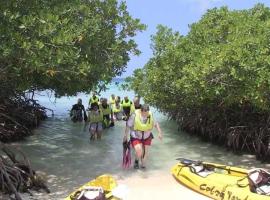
(139, 125)
(106, 111)
(112, 101)
(126, 104)
(94, 118)
(116, 108)
(94, 100)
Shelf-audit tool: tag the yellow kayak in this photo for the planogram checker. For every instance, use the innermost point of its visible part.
(106, 181)
(216, 181)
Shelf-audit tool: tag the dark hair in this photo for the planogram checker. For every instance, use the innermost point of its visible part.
(93, 105)
(145, 108)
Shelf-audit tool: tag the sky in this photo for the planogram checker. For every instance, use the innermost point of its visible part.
(175, 14)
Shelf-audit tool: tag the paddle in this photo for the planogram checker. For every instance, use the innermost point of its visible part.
(218, 166)
(188, 161)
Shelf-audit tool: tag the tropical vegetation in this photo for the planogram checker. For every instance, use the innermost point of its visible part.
(61, 46)
(215, 80)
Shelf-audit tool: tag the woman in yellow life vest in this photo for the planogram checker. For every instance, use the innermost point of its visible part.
(139, 126)
(95, 118)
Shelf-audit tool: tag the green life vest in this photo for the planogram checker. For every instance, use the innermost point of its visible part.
(94, 117)
(139, 125)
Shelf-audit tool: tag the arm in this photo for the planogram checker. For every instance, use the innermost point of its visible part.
(84, 114)
(112, 116)
(125, 138)
(159, 130)
(71, 111)
(129, 123)
(86, 121)
(88, 118)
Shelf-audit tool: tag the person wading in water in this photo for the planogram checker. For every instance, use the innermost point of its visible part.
(78, 112)
(136, 104)
(95, 117)
(139, 126)
(93, 99)
(126, 106)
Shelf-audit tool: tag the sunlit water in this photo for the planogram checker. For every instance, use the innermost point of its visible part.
(62, 149)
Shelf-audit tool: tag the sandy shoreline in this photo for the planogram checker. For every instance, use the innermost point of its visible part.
(156, 186)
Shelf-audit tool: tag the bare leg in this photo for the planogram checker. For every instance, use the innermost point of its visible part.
(145, 154)
(99, 133)
(93, 135)
(138, 151)
(99, 130)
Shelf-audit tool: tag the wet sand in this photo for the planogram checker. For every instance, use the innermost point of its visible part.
(156, 186)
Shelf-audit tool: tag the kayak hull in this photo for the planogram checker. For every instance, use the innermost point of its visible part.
(223, 183)
(106, 181)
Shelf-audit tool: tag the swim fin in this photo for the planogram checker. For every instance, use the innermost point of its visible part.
(126, 155)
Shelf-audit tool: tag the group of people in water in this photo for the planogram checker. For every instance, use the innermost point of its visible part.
(102, 113)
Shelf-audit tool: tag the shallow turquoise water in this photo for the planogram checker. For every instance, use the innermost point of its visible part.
(62, 149)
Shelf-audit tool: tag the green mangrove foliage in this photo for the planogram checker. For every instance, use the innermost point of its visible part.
(215, 80)
(66, 46)
(62, 46)
(59, 45)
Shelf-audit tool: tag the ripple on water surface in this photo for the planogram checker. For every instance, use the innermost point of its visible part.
(63, 151)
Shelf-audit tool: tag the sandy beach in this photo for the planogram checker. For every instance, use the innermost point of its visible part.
(156, 186)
